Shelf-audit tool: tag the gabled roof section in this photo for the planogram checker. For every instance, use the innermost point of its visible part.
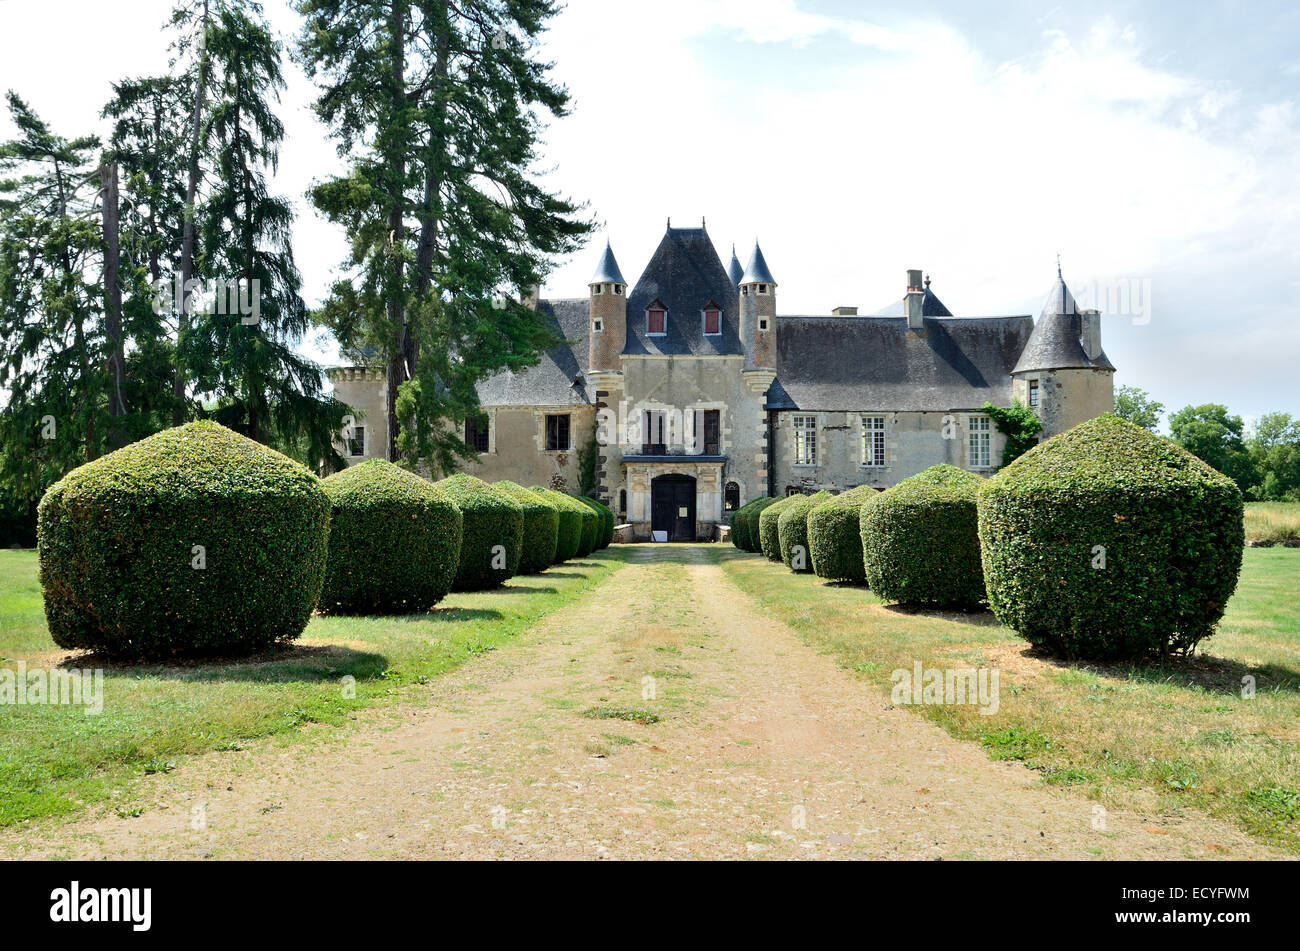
(1056, 343)
(931, 306)
(551, 381)
(757, 271)
(684, 274)
(607, 271)
(734, 270)
(874, 363)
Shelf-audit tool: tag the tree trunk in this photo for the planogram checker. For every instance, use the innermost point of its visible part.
(398, 368)
(187, 234)
(113, 296)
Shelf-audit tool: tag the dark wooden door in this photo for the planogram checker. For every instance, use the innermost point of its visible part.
(672, 507)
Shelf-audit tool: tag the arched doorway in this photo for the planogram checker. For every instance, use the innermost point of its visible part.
(672, 507)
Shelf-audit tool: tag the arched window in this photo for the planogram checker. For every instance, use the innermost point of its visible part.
(622, 501)
(731, 497)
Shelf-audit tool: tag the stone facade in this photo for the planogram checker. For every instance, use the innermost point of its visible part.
(696, 396)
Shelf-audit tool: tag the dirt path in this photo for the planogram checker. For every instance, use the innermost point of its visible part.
(764, 749)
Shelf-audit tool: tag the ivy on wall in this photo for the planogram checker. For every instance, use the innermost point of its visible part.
(1019, 424)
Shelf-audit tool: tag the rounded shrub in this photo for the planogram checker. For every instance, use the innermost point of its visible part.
(769, 539)
(196, 540)
(834, 539)
(919, 540)
(541, 527)
(792, 530)
(492, 532)
(571, 521)
(1108, 542)
(590, 527)
(744, 524)
(605, 529)
(394, 541)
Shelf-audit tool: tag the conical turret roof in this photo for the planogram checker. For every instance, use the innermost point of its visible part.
(607, 271)
(1056, 342)
(734, 270)
(756, 272)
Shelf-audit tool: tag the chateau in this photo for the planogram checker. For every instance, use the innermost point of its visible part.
(696, 395)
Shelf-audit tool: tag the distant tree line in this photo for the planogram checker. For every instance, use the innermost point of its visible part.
(1265, 463)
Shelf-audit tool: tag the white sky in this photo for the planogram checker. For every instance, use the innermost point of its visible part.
(856, 145)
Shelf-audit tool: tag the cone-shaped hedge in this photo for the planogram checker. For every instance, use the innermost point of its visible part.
(541, 527)
(744, 524)
(394, 541)
(769, 537)
(572, 516)
(920, 544)
(195, 540)
(834, 538)
(792, 531)
(1108, 542)
(605, 529)
(492, 533)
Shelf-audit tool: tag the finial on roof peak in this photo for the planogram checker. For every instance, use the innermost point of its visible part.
(1058, 267)
(927, 282)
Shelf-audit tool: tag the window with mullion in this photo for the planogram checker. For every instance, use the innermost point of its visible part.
(873, 441)
(805, 440)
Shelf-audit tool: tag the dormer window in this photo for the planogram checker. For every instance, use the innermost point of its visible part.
(656, 320)
(712, 320)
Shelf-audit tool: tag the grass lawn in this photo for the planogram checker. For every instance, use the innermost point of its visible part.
(1273, 522)
(1162, 737)
(56, 759)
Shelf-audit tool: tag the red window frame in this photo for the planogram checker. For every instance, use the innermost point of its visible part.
(655, 320)
(712, 321)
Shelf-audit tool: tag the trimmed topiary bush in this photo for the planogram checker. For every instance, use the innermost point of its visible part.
(492, 532)
(1108, 542)
(919, 540)
(834, 538)
(394, 541)
(571, 521)
(196, 540)
(605, 529)
(590, 528)
(744, 524)
(769, 538)
(792, 531)
(541, 527)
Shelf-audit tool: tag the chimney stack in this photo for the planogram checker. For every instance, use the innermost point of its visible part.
(915, 300)
(845, 312)
(1090, 333)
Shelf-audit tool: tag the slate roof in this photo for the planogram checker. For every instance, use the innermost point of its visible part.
(607, 271)
(550, 382)
(684, 273)
(874, 363)
(734, 270)
(757, 271)
(1056, 344)
(931, 306)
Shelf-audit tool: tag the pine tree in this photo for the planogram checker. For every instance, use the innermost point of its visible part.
(53, 350)
(243, 356)
(439, 105)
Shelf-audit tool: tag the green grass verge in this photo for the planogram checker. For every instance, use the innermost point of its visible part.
(1163, 737)
(56, 759)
